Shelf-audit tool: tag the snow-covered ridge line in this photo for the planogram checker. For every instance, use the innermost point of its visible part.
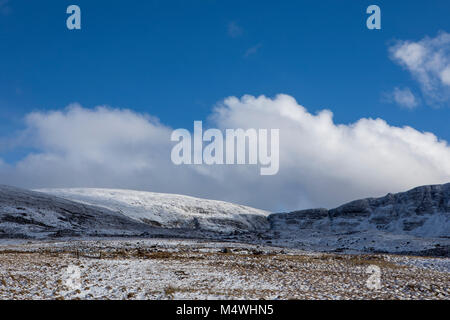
(170, 210)
(29, 214)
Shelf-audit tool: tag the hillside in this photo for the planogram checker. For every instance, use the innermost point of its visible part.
(416, 220)
(412, 222)
(29, 214)
(171, 210)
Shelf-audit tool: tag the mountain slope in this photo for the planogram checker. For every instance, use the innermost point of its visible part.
(170, 210)
(415, 220)
(29, 214)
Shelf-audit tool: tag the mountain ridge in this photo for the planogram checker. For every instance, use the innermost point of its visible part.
(415, 222)
(29, 214)
(170, 210)
(410, 208)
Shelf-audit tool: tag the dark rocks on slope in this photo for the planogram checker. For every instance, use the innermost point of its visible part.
(422, 211)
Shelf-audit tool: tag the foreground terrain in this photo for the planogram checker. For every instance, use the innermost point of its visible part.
(185, 269)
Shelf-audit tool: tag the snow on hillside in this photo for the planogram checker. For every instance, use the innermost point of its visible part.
(422, 212)
(170, 210)
(29, 214)
(412, 221)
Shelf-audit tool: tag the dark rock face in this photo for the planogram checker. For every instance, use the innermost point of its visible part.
(310, 214)
(302, 218)
(426, 200)
(358, 208)
(422, 211)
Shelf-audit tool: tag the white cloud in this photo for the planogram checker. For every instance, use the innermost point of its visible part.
(404, 97)
(5, 8)
(234, 30)
(101, 147)
(428, 61)
(445, 76)
(321, 163)
(252, 50)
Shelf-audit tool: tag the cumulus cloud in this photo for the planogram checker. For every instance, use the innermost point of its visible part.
(321, 163)
(100, 147)
(404, 98)
(428, 61)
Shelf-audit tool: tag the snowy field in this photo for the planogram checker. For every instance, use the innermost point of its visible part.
(185, 269)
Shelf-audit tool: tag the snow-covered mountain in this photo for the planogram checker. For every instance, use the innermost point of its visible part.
(415, 220)
(29, 214)
(171, 210)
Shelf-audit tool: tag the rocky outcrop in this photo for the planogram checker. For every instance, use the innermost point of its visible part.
(423, 211)
(415, 222)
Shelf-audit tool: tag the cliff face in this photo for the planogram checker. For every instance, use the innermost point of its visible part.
(422, 211)
(416, 221)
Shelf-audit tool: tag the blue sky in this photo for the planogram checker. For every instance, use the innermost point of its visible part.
(176, 59)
